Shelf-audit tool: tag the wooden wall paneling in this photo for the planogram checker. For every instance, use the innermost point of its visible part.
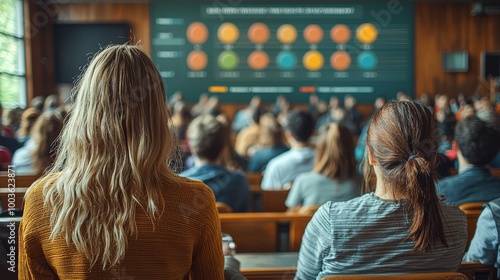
(38, 24)
(136, 14)
(441, 27)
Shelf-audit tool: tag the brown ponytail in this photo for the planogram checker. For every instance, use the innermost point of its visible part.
(427, 226)
(403, 140)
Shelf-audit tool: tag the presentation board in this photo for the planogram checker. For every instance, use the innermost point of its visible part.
(76, 43)
(239, 49)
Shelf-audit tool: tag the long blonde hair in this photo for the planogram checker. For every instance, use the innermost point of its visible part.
(335, 153)
(113, 156)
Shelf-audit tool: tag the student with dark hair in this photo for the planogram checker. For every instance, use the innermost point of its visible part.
(478, 143)
(284, 168)
(401, 227)
(206, 138)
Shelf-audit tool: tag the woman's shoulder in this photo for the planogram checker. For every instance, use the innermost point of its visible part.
(36, 190)
(195, 185)
(451, 210)
(355, 204)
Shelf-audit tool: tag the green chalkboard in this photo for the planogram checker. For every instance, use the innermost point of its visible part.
(237, 49)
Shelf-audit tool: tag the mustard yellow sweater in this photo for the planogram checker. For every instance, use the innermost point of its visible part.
(186, 243)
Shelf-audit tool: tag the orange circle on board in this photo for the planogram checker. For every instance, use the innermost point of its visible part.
(259, 33)
(258, 60)
(340, 60)
(197, 33)
(313, 60)
(340, 33)
(286, 34)
(228, 33)
(197, 60)
(313, 34)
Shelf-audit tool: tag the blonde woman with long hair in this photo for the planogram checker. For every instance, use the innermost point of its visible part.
(111, 208)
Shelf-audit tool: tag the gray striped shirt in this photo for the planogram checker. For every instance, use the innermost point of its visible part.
(367, 235)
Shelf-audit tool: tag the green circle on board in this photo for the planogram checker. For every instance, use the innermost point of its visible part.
(228, 60)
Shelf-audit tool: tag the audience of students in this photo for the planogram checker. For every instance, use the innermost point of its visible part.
(28, 119)
(335, 113)
(248, 136)
(10, 143)
(37, 102)
(130, 153)
(199, 108)
(333, 177)
(38, 153)
(206, 137)
(283, 169)
(353, 118)
(51, 103)
(401, 226)
(269, 145)
(244, 117)
(446, 123)
(478, 143)
(111, 207)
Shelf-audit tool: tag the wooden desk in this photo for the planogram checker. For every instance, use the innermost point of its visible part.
(283, 265)
(271, 266)
(265, 232)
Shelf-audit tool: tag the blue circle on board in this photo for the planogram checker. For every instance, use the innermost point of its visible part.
(286, 60)
(367, 60)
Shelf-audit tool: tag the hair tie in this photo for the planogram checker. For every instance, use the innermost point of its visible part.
(412, 157)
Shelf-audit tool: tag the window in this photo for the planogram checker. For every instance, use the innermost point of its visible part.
(12, 55)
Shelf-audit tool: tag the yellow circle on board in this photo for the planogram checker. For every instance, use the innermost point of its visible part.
(367, 33)
(228, 33)
(313, 60)
(286, 34)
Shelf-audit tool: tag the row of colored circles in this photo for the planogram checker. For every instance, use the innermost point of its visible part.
(286, 60)
(259, 33)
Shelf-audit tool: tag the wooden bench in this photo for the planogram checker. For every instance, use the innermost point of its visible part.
(472, 211)
(265, 232)
(472, 216)
(18, 185)
(478, 271)
(263, 200)
(472, 270)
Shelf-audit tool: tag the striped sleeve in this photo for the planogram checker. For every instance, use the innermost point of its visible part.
(315, 245)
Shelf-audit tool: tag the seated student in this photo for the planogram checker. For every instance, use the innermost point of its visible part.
(28, 119)
(284, 168)
(38, 153)
(243, 118)
(334, 177)
(401, 227)
(111, 208)
(269, 146)
(484, 247)
(248, 136)
(9, 142)
(478, 143)
(206, 138)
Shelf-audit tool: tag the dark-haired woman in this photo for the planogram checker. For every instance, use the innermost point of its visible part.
(401, 227)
